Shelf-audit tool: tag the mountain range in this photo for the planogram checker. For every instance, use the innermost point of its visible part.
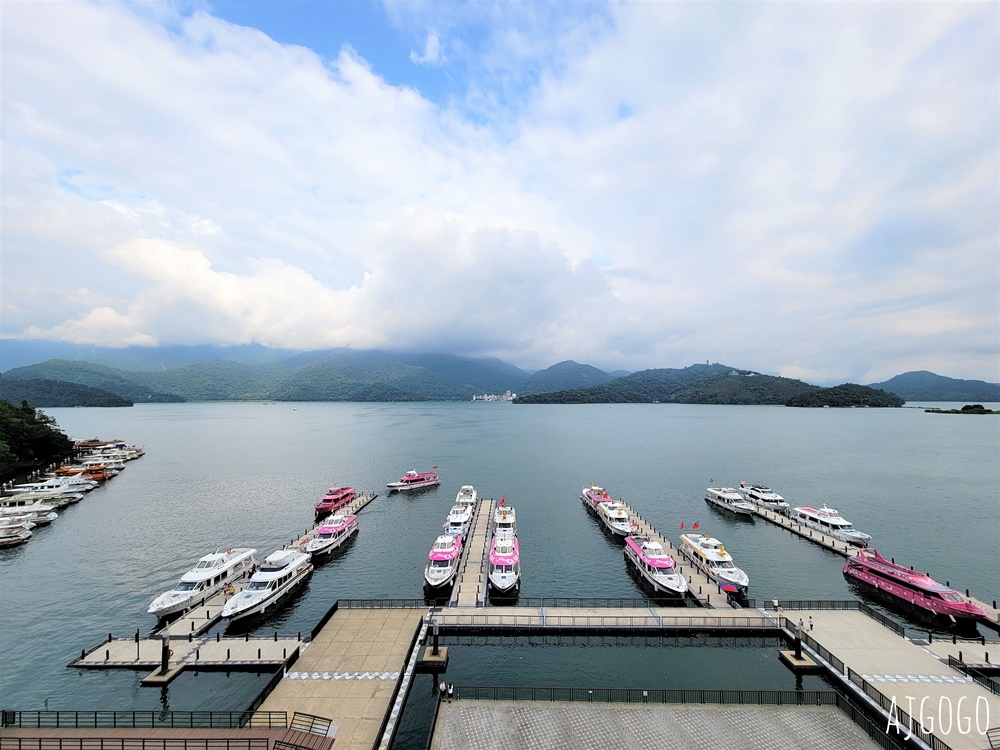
(255, 373)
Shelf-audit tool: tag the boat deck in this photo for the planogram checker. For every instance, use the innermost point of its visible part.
(470, 583)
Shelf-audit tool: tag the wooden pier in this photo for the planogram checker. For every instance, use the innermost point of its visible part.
(202, 653)
(470, 583)
(700, 586)
(816, 537)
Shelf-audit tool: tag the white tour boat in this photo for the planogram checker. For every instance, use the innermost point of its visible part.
(442, 560)
(332, 533)
(729, 499)
(505, 565)
(615, 518)
(708, 555)
(466, 496)
(763, 496)
(57, 500)
(504, 521)
(14, 530)
(60, 484)
(280, 572)
(37, 512)
(458, 519)
(830, 522)
(204, 580)
(414, 480)
(655, 566)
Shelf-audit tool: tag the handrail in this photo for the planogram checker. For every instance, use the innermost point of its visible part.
(382, 604)
(978, 676)
(882, 619)
(141, 719)
(652, 621)
(395, 691)
(647, 695)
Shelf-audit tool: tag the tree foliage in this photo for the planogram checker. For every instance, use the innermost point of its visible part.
(46, 393)
(29, 438)
(848, 394)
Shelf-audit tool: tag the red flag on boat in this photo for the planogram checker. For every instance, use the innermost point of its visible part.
(694, 526)
(682, 526)
(503, 499)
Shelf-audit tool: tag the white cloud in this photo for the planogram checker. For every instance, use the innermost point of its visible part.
(432, 51)
(810, 188)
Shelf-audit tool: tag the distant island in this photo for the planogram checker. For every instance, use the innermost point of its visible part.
(967, 409)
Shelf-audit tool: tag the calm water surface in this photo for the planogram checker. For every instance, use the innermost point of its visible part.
(235, 474)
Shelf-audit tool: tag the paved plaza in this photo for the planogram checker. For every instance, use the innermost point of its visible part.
(494, 725)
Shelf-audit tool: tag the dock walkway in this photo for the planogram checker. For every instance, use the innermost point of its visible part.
(889, 669)
(470, 588)
(350, 673)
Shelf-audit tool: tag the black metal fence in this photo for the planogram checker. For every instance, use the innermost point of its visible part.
(978, 676)
(395, 692)
(882, 619)
(600, 602)
(143, 719)
(382, 604)
(907, 725)
(875, 729)
(815, 604)
(655, 695)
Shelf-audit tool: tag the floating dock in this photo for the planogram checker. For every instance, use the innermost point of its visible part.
(470, 583)
(350, 509)
(202, 653)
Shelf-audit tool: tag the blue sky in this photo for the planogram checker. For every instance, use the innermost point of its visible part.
(809, 188)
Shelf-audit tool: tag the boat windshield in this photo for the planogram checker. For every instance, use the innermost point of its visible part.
(724, 564)
(257, 586)
(952, 596)
(440, 563)
(187, 586)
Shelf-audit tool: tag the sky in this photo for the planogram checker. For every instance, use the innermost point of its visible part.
(810, 189)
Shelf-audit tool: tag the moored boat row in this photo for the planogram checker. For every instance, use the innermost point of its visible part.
(504, 576)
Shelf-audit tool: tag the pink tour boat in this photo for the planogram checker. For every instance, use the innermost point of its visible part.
(412, 480)
(334, 499)
(655, 566)
(442, 560)
(910, 586)
(331, 534)
(505, 565)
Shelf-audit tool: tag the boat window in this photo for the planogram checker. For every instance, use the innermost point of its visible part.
(185, 586)
(440, 563)
(724, 564)
(952, 596)
(257, 585)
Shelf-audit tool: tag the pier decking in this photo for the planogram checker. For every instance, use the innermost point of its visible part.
(470, 586)
(350, 672)
(817, 537)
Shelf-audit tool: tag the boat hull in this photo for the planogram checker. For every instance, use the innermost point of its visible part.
(261, 606)
(317, 547)
(913, 600)
(674, 589)
(440, 583)
(399, 487)
(736, 511)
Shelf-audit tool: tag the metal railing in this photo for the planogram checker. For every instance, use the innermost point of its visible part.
(824, 652)
(874, 729)
(818, 604)
(654, 695)
(268, 688)
(882, 619)
(978, 676)
(908, 725)
(395, 691)
(598, 602)
(142, 719)
(652, 621)
(382, 604)
(130, 743)
(310, 723)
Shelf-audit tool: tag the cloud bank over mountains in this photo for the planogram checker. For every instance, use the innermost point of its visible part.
(811, 189)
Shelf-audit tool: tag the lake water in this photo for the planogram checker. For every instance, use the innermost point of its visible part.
(248, 474)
